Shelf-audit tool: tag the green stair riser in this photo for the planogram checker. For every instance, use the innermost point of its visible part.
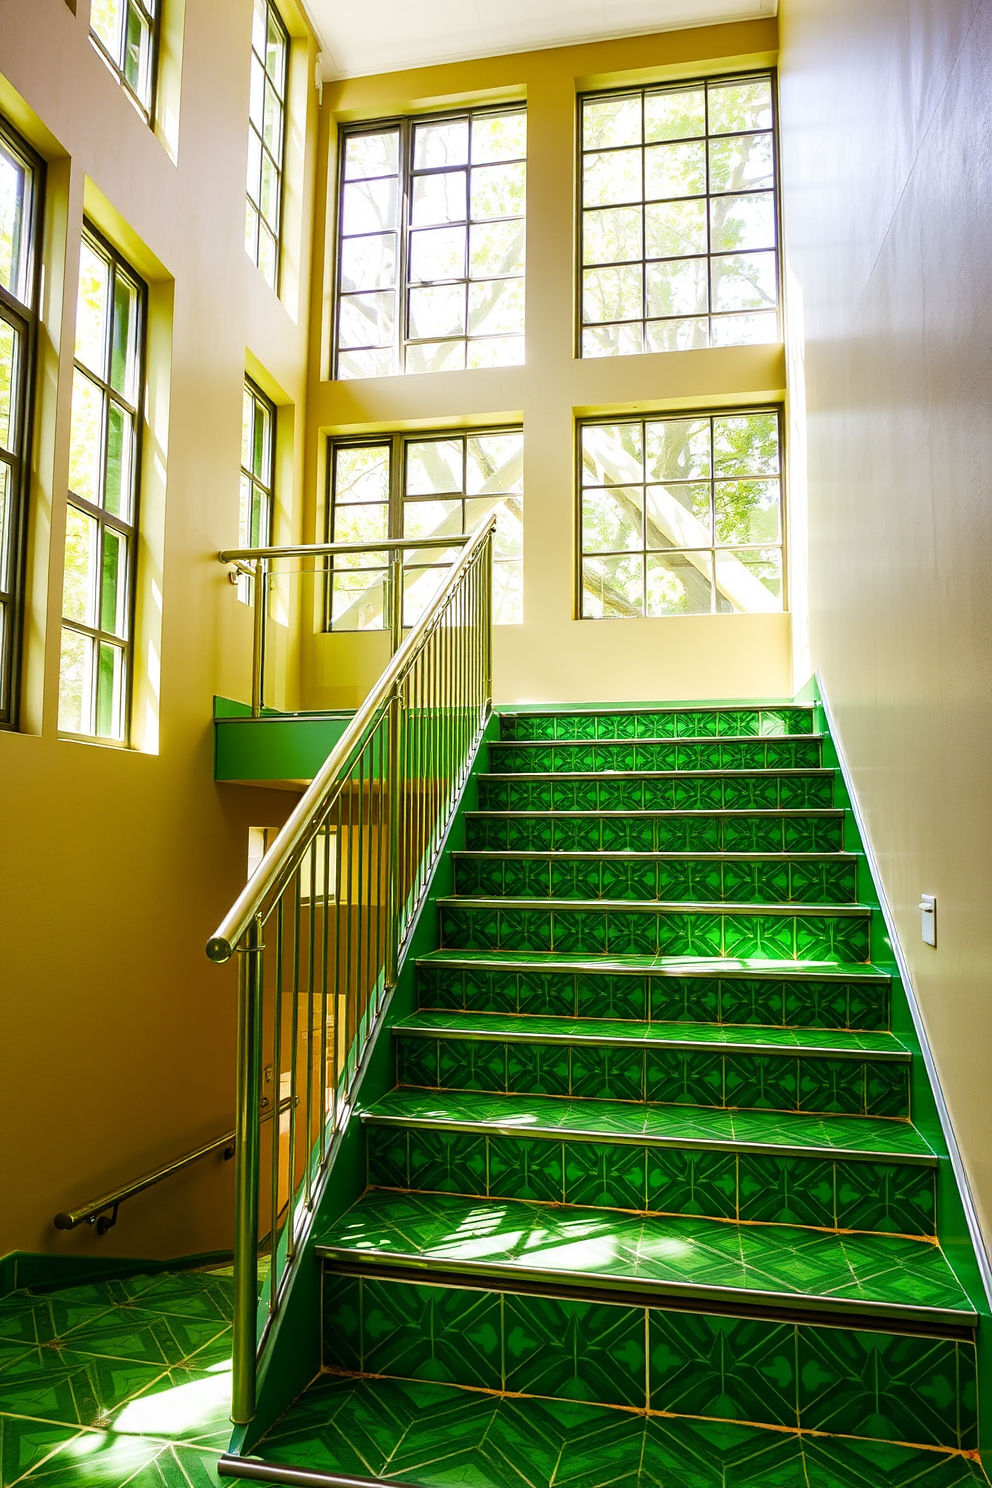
(767, 1002)
(845, 1381)
(746, 754)
(701, 880)
(730, 832)
(760, 791)
(885, 1198)
(622, 930)
(778, 1081)
(684, 723)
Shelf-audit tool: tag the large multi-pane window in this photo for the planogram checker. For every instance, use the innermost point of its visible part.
(21, 178)
(101, 519)
(258, 429)
(681, 515)
(431, 244)
(678, 217)
(125, 33)
(266, 138)
(416, 486)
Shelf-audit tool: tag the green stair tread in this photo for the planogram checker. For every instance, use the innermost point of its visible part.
(697, 1127)
(441, 1435)
(719, 1261)
(611, 855)
(713, 739)
(769, 774)
(658, 966)
(667, 906)
(531, 1028)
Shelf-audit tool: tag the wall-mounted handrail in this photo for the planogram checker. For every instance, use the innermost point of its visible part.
(254, 563)
(95, 1212)
(321, 927)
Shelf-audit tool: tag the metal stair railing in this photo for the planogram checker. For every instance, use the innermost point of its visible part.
(322, 926)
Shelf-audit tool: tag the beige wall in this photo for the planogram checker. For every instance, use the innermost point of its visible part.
(550, 656)
(887, 117)
(116, 1035)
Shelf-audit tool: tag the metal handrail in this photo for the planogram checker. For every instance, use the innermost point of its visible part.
(69, 1219)
(253, 563)
(322, 925)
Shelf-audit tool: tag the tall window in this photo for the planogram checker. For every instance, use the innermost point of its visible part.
(413, 487)
(266, 138)
(681, 516)
(101, 519)
(21, 178)
(125, 33)
(431, 244)
(679, 222)
(257, 475)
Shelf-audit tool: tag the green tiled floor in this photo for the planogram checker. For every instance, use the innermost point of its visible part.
(117, 1382)
(439, 1436)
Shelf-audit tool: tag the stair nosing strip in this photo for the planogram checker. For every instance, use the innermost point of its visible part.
(624, 1139)
(769, 811)
(801, 1301)
(666, 906)
(711, 739)
(899, 1055)
(700, 967)
(841, 855)
(259, 1470)
(765, 774)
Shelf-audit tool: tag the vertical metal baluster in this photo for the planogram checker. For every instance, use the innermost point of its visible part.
(349, 986)
(360, 938)
(339, 1031)
(325, 931)
(246, 1201)
(311, 949)
(258, 638)
(393, 901)
(277, 1103)
(294, 1066)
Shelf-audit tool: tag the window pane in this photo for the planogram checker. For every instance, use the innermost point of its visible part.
(747, 511)
(6, 530)
(675, 229)
(93, 310)
(368, 263)
(678, 114)
(609, 180)
(677, 286)
(509, 537)
(9, 356)
(496, 351)
(434, 465)
(746, 444)
(272, 125)
(436, 356)
(110, 692)
(611, 454)
(749, 582)
(86, 438)
(611, 235)
(613, 588)
(437, 310)
(611, 122)
(678, 335)
(359, 523)
(113, 592)
(440, 198)
(678, 516)
(680, 584)
(137, 56)
(674, 170)
(275, 51)
(432, 519)
(498, 191)
(367, 363)
(759, 329)
(75, 682)
(79, 578)
(357, 600)
(107, 22)
(742, 164)
(613, 294)
(744, 281)
(245, 521)
(612, 520)
(371, 155)
(615, 340)
(496, 249)
(496, 307)
(740, 105)
(362, 474)
(367, 320)
(419, 587)
(495, 462)
(369, 206)
(499, 137)
(742, 222)
(124, 350)
(437, 253)
(678, 449)
(444, 142)
(119, 481)
(14, 226)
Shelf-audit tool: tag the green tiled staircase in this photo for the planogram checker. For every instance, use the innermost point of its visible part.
(647, 1204)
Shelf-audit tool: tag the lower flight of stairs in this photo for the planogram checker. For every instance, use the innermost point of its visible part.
(646, 1205)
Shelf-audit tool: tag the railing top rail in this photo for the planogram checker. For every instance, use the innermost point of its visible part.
(320, 550)
(284, 856)
(68, 1219)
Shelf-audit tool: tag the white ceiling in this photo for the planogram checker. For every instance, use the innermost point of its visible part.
(388, 35)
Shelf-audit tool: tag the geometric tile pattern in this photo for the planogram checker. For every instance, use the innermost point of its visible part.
(673, 723)
(116, 1382)
(897, 1387)
(619, 929)
(757, 790)
(687, 1255)
(673, 831)
(581, 758)
(439, 1435)
(693, 1073)
(772, 879)
(803, 999)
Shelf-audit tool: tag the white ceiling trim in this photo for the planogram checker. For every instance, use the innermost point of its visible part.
(362, 41)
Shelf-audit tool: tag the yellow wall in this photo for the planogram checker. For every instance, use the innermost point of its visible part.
(887, 116)
(116, 1035)
(551, 656)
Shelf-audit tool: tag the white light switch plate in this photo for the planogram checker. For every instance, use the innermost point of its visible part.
(928, 919)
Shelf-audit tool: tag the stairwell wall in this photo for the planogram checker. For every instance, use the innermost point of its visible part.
(886, 122)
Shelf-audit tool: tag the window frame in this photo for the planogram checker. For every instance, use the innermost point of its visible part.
(27, 318)
(397, 441)
(406, 124)
(662, 85)
(246, 583)
(132, 530)
(271, 9)
(648, 416)
(147, 112)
